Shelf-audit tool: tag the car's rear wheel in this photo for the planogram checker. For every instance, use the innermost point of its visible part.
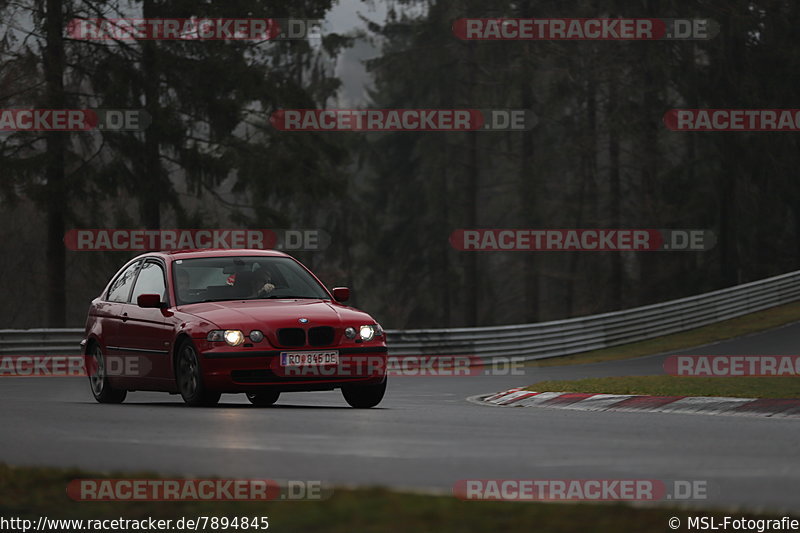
(364, 396)
(102, 390)
(263, 398)
(190, 378)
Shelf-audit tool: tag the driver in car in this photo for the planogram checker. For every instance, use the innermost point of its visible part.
(262, 283)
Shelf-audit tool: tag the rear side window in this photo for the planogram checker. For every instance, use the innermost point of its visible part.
(150, 281)
(121, 288)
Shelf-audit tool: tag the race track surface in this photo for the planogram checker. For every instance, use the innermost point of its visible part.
(425, 435)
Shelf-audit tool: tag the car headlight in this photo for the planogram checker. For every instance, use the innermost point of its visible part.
(233, 337)
(256, 336)
(215, 336)
(350, 333)
(366, 332)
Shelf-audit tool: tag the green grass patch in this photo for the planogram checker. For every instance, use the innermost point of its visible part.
(742, 387)
(728, 329)
(32, 492)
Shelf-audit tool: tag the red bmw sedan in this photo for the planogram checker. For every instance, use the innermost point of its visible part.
(205, 322)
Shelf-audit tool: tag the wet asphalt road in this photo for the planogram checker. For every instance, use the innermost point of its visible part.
(424, 435)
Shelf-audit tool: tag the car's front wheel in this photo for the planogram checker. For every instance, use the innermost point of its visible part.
(190, 378)
(364, 396)
(264, 398)
(102, 390)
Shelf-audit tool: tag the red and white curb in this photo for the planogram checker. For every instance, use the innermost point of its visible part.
(711, 405)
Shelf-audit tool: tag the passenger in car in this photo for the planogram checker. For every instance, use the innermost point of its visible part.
(182, 282)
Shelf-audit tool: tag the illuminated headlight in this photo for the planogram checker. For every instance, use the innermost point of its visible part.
(350, 333)
(233, 337)
(256, 336)
(367, 332)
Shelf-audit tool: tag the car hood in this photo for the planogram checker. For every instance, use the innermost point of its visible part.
(280, 313)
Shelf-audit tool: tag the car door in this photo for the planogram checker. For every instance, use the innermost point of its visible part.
(118, 295)
(146, 334)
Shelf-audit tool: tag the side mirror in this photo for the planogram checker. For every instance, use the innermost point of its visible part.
(341, 294)
(150, 301)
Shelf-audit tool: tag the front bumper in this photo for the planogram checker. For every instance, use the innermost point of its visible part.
(243, 371)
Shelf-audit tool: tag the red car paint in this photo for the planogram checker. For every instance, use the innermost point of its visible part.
(152, 335)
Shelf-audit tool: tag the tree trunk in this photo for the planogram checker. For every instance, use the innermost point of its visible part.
(56, 188)
(150, 192)
(529, 208)
(471, 191)
(588, 175)
(473, 285)
(615, 191)
(528, 186)
(444, 212)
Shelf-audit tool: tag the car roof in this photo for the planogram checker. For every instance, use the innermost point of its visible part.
(172, 255)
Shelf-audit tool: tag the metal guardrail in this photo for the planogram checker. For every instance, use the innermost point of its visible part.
(41, 341)
(527, 341)
(581, 334)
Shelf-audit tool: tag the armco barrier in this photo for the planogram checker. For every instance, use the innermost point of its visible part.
(575, 335)
(527, 341)
(41, 341)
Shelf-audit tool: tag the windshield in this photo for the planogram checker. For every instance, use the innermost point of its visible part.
(214, 279)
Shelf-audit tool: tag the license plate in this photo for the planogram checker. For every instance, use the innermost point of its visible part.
(330, 357)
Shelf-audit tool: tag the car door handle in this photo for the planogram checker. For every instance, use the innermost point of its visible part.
(124, 317)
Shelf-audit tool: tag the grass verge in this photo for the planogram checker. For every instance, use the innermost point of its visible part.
(32, 492)
(728, 329)
(741, 387)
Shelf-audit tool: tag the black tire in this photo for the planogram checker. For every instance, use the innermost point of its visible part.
(263, 398)
(101, 389)
(189, 378)
(364, 396)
